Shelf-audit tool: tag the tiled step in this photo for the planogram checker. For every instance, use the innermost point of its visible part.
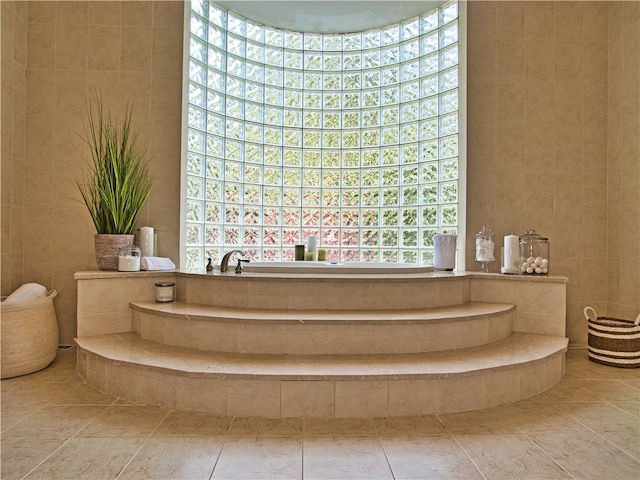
(279, 331)
(145, 371)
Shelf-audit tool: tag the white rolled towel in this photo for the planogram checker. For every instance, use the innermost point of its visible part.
(28, 291)
(444, 254)
(156, 263)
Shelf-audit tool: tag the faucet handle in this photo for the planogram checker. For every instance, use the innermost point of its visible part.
(239, 265)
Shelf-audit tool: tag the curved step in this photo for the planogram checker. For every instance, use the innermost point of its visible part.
(279, 331)
(144, 371)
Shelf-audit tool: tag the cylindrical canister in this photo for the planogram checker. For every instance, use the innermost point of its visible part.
(164, 291)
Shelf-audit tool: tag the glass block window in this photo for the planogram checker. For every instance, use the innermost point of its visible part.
(353, 138)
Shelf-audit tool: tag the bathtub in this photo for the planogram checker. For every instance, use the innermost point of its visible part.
(334, 267)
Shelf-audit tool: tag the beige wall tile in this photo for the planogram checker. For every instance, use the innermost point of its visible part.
(308, 399)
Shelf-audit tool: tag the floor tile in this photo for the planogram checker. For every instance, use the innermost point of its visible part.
(20, 455)
(415, 425)
(178, 424)
(247, 458)
(54, 422)
(125, 421)
(345, 458)
(266, 427)
(185, 458)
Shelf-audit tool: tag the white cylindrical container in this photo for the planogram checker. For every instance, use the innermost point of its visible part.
(511, 255)
(312, 247)
(444, 251)
(146, 241)
(164, 291)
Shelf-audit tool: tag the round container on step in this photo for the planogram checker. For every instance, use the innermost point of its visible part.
(164, 291)
(534, 254)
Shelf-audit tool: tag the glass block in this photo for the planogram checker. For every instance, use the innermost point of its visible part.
(293, 40)
(273, 136)
(197, 72)
(274, 56)
(331, 81)
(254, 72)
(350, 158)
(195, 164)
(235, 87)
(351, 119)
(429, 21)
(255, 52)
(409, 133)
(292, 99)
(331, 140)
(311, 158)
(215, 58)
(430, 172)
(449, 124)
(252, 195)
(352, 80)
(332, 62)
(311, 139)
(371, 39)
(390, 156)
(409, 175)
(352, 41)
(410, 196)
(410, 91)
(271, 236)
(273, 36)
(253, 153)
(273, 96)
(429, 107)
(293, 118)
(449, 101)
(293, 59)
(449, 34)
(430, 216)
(389, 237)
(330, 159)
(216, 81)
(428, 129)
(214, 168)
(272, 176)
(194, 187)
(310, 197)
(236, 24)
(390, 136)
(449, 215)
(351, 100)
(448, 79)
(212, 235)
(370, 217)
(271, 196)
(252, 174)
(429, 150)
(311, 100)
(271, 216)
(290, 197)
(409, 153)
(292, 138)
(213, 191)
(251, 236)
(197, 95)
(371, 98)
(391, 75)
(330, 197)
(330, 218)
(410, 28)
(292, 158)
(290, 236)
(235, 108)
(352, 61)
(272, 156)
(370, 198)
(292, 177)
(235, 45)
(332, 42)
(254, 92)
(196, 118)
(216, 37)
(312, 61)
(390, 116)
(391, 35)
(429, 43)
(291, 216)
(370, 178)
(389, 217)
(390, 176)
(449, 57)
(273, 76)
(390, 56)
(390, 197)
(293, 80)
(410, 71)
(449, 146)
(371, 79)
(214, 145)
(233, 150)
(371, 59)
(409, 50)
(351, 139)
(409, 238)
(311, 178)
(312, 81)
(194, 234)
(370, 237)
(449, 192)
(370, 138)
(330, 236)
(253, 133)
(255, 31)
(350, 217)
(273, 116)
(332, 101)
(312, 41)
(371, 118)
(350, 198)
(428, 235)
(350, 178)
(310, 217)
(390, 95)
(331, 120)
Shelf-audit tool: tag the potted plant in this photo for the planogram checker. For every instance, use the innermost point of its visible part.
(116, 183)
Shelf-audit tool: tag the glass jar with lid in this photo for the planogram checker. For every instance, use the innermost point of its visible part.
(129, 258)
(534, 253)
(485, 247)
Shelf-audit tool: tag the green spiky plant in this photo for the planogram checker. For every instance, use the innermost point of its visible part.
(116, 183)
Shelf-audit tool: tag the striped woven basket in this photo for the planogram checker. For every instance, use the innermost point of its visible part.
(613, 341)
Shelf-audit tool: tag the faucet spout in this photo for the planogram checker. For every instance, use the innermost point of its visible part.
(224, 264)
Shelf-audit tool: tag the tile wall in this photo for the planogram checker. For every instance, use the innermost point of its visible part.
(549, 120)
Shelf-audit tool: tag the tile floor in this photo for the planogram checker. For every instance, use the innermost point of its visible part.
(586, 427)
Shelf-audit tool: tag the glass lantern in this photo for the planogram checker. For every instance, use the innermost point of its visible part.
(485, 247)
(534, 254)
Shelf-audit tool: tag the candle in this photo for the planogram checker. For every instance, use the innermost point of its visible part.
(322, 254)
(146, 241)
(511, 255)
(312, 247)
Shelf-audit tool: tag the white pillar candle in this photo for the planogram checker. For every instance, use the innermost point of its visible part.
(511, 258)
(146, 241)
(312, 247)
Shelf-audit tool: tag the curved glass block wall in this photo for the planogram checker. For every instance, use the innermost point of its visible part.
(350, 137)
